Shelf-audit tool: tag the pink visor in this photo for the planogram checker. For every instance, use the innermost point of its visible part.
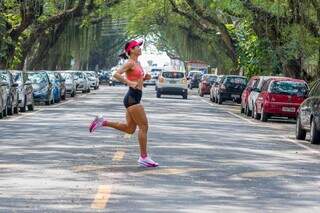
(133, 44)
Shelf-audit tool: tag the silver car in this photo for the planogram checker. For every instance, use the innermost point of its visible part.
(13, 95)
(25, 90)
(93, 79)
(3, 98)
(82, 82)
(70, 82)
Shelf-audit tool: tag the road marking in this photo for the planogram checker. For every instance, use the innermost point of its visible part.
(118, 156)
(242, 118)
(169, 171)
(313, 151)
(231, 113)
(102, 197)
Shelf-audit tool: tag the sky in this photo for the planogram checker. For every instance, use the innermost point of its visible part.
(151, 53)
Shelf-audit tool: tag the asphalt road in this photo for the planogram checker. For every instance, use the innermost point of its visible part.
(212, 159)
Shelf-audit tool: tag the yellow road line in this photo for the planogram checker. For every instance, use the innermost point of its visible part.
(102, 197)
(118, 156)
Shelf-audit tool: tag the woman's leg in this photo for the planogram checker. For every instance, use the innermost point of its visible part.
(139, 116)
(129, 127)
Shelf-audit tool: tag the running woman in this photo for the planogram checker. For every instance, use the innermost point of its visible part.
(135, 114)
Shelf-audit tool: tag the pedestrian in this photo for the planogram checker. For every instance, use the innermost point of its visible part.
(135, 114)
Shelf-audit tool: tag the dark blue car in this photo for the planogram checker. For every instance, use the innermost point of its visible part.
(42, 88)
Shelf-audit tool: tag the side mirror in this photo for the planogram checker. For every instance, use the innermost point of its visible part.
(28, 82)
(15, 84)
(3, 83)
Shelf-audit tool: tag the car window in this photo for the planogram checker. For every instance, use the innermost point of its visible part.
(172, 74)
(212, 79)
(256, 83)
(315, 91)
(37, 78)
(265, 85)
(289, 88)
(235, 80)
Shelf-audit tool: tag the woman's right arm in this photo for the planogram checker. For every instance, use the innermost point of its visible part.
(119, 74)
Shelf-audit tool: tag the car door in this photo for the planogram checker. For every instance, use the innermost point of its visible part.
(310, 105)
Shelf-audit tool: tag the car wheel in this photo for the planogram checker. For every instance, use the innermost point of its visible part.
(30, 107)
(72, 94)
(16, 110)
(264, 116)
(1, 114)
(220, 99)
(247, 111)
(215, 99)
(63, 97)
(5, 112)
(23, 109)
(300, 132)
(185, 96)
(158, 95)
(314, 133)
(256, 115)
(241, 109)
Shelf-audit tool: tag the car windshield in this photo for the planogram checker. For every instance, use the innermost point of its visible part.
(172, 74)
(67, 76)
(17, 77)
(90, 74)
(212, 78)
(36, 78)
(289, 88)
(235, 80)
(4, 77)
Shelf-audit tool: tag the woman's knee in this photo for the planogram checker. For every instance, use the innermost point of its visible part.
(131, 130)
(144, 127)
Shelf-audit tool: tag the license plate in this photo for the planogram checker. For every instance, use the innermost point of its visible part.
(172, 82)
(235, 96)
(288, 109)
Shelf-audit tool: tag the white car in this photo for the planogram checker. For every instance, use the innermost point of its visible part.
(70, 82)
(154, 77)
(93, 79)
(25, 90)
(171, 82)
(82, 81)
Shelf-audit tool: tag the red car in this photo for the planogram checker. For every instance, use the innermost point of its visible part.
(280, 97)
(246, 93)
(205, 84)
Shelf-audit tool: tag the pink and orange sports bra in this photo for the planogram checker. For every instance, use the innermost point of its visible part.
(136, 73)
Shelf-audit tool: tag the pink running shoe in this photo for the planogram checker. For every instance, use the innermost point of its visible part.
(96, 123)
(147, 162)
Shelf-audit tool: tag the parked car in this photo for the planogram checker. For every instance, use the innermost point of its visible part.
(280, 97)
(154, 77)
(42, 87)
(205, 84)
(255, 93)
(13, 94)
(3, 97)
(171, 82)
(214, 88)
(230, 87)
(61, 81)
(93, 79)
(70, 82)
(194, 79)
(308, 118)
(56, 86)
(25, 90)
(82, 82)
(245, 95)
